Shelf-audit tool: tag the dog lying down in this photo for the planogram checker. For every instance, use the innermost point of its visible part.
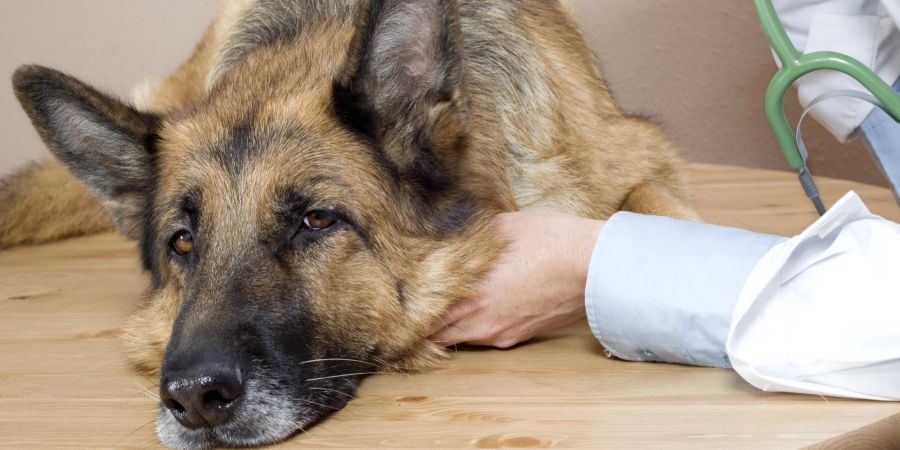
(315, 185)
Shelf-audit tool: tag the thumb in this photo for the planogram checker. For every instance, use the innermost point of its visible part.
(455, 313)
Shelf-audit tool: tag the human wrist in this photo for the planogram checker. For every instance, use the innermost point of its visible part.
(583, 237)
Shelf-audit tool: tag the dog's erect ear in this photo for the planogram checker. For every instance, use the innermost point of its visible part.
(106, 144)
(404, 84)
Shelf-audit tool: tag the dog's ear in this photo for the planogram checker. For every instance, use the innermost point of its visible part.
(404, 85)
(106, 144)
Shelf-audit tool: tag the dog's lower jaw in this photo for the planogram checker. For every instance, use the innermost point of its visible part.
(174, 435)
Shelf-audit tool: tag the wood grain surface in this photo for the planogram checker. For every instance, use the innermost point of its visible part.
(64, 381)
(881, 435)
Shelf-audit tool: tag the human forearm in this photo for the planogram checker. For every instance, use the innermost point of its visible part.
(660, 289)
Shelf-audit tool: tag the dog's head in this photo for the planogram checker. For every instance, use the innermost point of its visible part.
(302, 225)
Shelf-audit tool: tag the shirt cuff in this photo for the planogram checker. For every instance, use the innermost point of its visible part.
(660, 289)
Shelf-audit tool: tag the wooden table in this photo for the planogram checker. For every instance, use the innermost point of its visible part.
(64, 381)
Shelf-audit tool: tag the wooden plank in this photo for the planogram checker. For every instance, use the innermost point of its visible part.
(881, 435)
(64, 381)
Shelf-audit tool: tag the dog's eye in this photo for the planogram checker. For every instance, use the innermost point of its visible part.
(183, 243)
(318, 220)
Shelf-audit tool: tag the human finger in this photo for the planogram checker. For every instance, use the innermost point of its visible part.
(454, 314)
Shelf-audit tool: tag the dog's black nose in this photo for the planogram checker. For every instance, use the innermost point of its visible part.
(204, 397)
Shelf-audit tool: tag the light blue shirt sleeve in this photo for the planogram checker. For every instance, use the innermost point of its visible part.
(660, 289)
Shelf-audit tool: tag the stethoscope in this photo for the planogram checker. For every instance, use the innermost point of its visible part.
(793, 66)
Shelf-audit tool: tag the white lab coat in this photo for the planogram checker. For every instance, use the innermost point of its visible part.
(818, 313)
(864, 29)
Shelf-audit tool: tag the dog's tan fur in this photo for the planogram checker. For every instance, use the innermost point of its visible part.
(541, 131)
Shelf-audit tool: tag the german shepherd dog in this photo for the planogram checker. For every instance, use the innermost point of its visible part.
(316, 185)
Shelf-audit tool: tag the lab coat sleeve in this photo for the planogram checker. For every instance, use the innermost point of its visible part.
(819, 312)
(660, 289)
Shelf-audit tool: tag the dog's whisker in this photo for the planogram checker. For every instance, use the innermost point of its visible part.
(146, 391)
(154, 383)
(352, 413)
(398, 370)
(336, 359)
(319, 404)
(381, 361)
(335, 391)
(132, 432)
(339, 376)
(311, 434)
(391, 367)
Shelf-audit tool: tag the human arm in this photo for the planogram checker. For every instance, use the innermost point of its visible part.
(812, 314)
(660, 289)
(654, 288)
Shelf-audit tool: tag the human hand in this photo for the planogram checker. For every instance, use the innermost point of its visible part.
(536, 284)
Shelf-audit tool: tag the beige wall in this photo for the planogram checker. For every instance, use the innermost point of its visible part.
(699, 67)
(113, 44)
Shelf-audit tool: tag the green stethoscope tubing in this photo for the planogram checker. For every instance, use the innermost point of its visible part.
(793, 66)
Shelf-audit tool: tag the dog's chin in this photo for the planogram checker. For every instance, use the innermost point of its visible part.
(266, 416)
(267, 429)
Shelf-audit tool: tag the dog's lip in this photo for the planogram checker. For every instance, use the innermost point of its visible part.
(221, 436)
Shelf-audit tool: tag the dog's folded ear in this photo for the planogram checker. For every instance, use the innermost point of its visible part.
(105, 143)
(404, 85)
